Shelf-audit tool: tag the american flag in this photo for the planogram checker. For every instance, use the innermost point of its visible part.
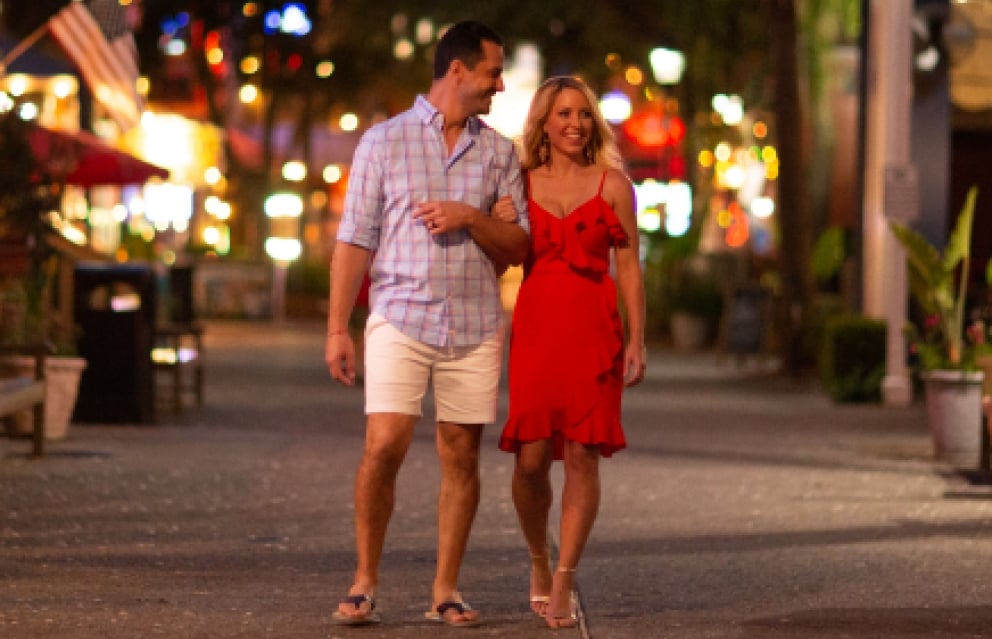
(96, 37)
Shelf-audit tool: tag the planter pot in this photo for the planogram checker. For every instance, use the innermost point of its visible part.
(689, 332)
(985, 363)
(61, 388)
(954, 412)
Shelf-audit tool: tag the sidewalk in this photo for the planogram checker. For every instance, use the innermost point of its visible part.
(746, 506)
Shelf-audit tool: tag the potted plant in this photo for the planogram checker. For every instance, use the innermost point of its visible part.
(27, 192)
(946, 353)
(696, 304)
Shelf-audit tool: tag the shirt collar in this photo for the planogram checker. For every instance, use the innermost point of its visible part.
(428, 114)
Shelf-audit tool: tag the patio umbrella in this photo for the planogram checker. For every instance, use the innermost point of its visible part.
(82, 159)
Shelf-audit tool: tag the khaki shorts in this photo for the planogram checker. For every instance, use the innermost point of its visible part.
(398, 369)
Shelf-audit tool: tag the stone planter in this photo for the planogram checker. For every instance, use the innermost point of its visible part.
(954, 412)
(62, 376)
(689, 332)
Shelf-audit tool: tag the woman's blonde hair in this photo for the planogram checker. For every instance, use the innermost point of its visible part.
(602, 147)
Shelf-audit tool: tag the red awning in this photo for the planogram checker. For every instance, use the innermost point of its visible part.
(83, 159)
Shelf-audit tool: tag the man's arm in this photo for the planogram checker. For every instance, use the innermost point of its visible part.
(505, 243)
(348, 266)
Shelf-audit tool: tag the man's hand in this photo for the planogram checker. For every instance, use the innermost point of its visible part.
(339, 353)
(444, 217)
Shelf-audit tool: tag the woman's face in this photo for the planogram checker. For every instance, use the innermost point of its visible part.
(570, 123)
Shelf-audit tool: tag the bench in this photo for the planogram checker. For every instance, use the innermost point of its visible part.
(19, 393)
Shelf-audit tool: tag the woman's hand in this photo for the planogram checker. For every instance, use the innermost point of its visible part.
(503, 210)
(635, 363)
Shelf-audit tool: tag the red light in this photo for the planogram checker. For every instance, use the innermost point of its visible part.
(647, 129)
(652, 130)
(676, 129)
(294, 62)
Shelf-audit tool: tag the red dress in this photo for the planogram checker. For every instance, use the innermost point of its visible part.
(567, 343)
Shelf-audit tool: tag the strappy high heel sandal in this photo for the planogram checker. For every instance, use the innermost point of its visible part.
(557, 620)
(539, 603)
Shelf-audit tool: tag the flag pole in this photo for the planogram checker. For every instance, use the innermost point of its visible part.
(23, 46)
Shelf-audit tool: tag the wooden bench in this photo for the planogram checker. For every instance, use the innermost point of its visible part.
(19, 393)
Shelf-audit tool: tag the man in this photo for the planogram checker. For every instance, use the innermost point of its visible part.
(416, 217)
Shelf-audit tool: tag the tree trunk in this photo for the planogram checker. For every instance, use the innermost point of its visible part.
(793, 210)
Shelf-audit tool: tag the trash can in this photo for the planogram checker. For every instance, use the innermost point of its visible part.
(115, 313)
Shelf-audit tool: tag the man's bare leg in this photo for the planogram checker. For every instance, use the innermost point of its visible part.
(458, 500)
(387, 439)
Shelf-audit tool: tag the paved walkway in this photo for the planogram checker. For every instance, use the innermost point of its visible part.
(747, 506)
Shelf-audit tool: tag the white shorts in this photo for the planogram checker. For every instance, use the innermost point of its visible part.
(398, 368)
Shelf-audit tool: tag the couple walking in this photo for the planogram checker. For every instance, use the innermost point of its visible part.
(437, 207)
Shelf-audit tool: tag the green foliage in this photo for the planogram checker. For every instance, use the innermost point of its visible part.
(852, 361)
(828, 254)
(935, 287)
(697, 295)
(309, 278)
(27, 192)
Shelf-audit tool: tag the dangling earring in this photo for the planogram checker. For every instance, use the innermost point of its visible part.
(544, 150)
(589, 155)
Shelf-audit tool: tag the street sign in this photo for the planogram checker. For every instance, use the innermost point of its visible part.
(901, 196)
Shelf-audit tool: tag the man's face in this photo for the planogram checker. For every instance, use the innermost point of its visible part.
(485, 80)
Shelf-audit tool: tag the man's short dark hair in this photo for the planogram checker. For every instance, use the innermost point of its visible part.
(462, 41)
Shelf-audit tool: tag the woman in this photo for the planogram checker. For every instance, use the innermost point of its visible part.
(568, 361)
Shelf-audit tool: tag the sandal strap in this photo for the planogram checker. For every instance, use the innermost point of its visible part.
(358, 600)
(458, 606)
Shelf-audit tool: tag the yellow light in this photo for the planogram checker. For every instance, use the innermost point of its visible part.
(769, 154)
(283, 249)
(332, 173)
(215, 56)
(771, 171)
(649, 220)
(250, 9)
(325, 68)
(211, 204)
(64, 86)
(284, 205)
(723, 218)
(250, 64)
(403, 49)
(294, 171)
(722, 151)
(17, 84)
(634, 75)
(142, 85)
(212, 175)
(706, 158)
(348, 122)
(248, 93)
(734, 176)
(211, 235)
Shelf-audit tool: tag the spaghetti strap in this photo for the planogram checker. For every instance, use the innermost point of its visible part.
(602, 181)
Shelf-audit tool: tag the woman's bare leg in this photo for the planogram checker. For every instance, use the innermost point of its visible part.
(532, 497)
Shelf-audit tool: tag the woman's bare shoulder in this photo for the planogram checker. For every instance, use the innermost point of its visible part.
(617, 183)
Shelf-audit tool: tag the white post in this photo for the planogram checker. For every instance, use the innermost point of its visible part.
(890, 183)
